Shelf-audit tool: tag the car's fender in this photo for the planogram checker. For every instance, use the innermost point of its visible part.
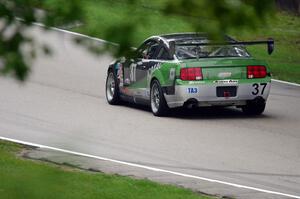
(165, 73)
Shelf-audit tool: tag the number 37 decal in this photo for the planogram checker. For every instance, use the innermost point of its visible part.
(259, 88)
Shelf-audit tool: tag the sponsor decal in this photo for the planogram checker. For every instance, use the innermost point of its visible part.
(125, 90)
(196, 82)
(127, 81)
(147, 93)
(133, 72)
(141, 92)
(172, 74)
(192, 90)
(119, 67)
(224, 75)
(151, 70)
(137, 92)
(154, 67)
(228, 81)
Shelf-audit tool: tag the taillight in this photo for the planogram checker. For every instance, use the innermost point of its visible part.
(191, 74)
(256, 72)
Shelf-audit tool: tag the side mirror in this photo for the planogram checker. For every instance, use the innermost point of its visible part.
(270, 46)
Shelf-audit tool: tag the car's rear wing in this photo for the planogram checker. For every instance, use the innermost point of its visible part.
(269, 42)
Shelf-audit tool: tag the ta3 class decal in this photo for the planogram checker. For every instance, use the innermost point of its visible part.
(192, 90)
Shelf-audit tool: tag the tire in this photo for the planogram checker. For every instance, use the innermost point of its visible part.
(159, 106)
(112, 89)
(254, 107)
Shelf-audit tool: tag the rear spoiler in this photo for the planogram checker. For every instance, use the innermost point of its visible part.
(269, 42)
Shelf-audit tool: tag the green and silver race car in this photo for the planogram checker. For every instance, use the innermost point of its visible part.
(189, 70)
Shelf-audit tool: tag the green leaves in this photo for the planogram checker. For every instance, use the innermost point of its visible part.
(16, 16)
(214, 17)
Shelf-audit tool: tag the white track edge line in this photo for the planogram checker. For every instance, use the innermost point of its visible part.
(149, 168)
(74, 33)
(102, 40)
(285, 82)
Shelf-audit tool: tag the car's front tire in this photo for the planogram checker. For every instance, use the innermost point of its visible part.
(159, 106)
(112, 89)
(256, 107)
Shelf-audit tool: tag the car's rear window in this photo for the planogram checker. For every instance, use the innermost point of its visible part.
(191, 50)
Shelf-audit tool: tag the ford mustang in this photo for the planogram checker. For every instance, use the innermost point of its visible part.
(190, 70)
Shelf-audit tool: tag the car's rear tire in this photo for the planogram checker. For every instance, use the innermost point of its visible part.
(159, 105)
(256, 107)
(112, 89)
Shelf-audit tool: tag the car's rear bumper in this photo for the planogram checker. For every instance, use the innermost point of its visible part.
(206, 95)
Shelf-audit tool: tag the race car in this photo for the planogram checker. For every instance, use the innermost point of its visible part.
(190, 70)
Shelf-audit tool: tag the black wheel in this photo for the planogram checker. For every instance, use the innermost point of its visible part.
(159, 106)
(254, 107)
(112, 89)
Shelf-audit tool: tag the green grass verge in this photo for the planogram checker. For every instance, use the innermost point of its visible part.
(21, 178)
(284, 28)
(285, 61)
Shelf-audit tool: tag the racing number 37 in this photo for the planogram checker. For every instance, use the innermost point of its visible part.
(259, 87)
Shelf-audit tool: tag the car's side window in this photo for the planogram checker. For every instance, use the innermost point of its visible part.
(148, 50)
(152, 51)
(163, 54)
(142, 51)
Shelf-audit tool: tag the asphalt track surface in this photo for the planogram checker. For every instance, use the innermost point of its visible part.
(63, 105)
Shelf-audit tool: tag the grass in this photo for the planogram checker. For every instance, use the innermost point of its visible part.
(100, 15)
(285, 61)
(284, 28)
(22, 178)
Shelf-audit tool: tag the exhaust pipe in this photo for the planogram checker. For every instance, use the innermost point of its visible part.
(191, 103)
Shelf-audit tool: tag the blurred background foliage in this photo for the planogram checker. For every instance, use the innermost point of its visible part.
(16, 16)
(125, 22)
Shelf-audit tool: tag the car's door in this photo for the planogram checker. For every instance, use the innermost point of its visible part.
(131, 63)
(136, 72)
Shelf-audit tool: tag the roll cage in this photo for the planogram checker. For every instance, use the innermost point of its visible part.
(170, 41)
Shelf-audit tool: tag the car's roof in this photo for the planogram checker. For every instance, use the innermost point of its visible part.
(181, 37)
(184, 36)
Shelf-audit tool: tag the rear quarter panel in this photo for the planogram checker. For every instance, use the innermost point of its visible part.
(165, 73)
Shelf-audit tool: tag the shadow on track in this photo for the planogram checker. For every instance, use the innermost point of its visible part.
(201, 113)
